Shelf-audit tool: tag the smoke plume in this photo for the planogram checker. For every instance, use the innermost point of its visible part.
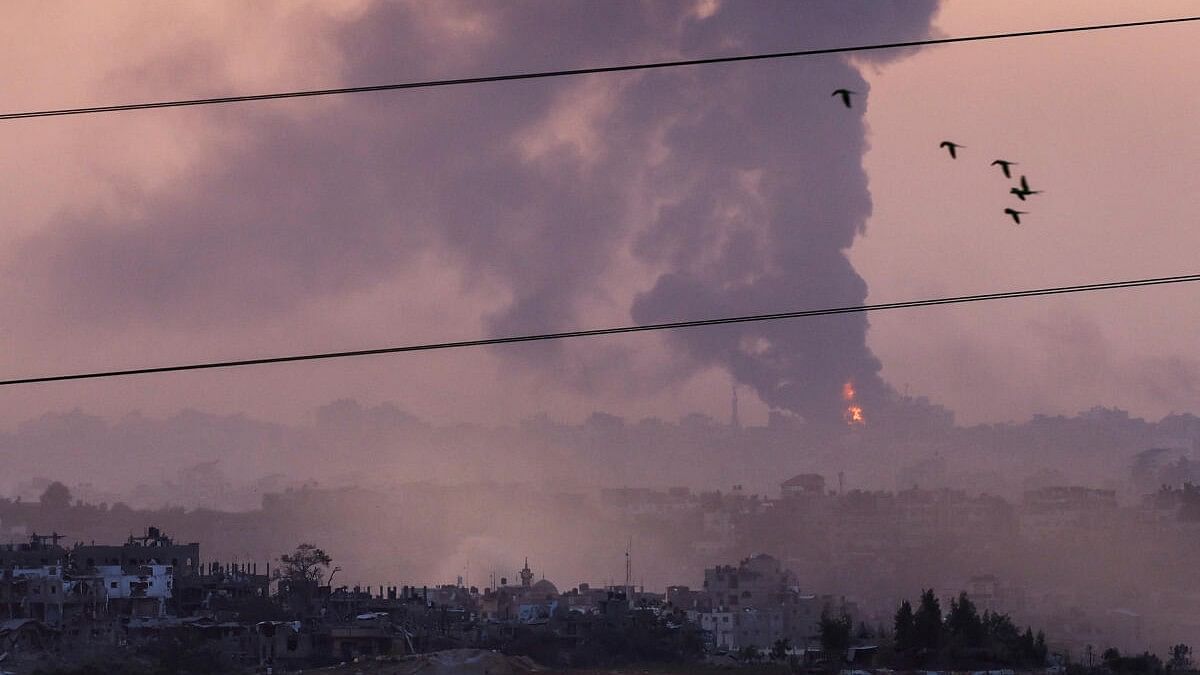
(693, 192)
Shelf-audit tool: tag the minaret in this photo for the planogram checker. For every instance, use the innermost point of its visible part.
(734, 422)
(526, 575)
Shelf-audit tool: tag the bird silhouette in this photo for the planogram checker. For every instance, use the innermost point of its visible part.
(1023, 191)
(952, 147)
(1004, 165)
(845, 94)
(1016, 215)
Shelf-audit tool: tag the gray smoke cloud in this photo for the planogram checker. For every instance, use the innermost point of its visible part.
(725, 189)
(777, 194)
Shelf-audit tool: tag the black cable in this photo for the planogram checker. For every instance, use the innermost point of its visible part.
(1005, 295)
(576, 71)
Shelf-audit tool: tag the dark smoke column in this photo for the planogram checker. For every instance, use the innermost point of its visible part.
(774, 195)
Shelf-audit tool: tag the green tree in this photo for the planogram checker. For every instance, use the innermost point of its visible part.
(1040, 651)
(306, 564)
(56, 496)
(963, 622)
(1143, 663)
(1001, 630)
(927, 623)
(835, 635)
(301, 573)
(903, 628)
(1028, 652)
(1181, 657)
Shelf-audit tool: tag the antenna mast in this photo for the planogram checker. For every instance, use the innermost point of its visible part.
(629, 571)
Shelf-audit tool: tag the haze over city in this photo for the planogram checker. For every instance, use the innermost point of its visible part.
(1055, 427)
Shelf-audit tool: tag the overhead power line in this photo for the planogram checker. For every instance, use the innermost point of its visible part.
(697, 323)
(578, 71)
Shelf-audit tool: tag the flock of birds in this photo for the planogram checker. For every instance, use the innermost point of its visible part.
(1022, 190)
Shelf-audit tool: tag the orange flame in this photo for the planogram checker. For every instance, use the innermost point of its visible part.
(854, 413)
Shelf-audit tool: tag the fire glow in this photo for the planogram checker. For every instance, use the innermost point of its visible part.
(854, 412)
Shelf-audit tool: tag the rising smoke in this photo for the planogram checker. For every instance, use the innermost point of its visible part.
(692, 192)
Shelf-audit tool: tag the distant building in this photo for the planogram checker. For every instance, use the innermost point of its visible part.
(39, 551)
(154, 548)
(221, 585)
(803, 485)
(143, 591)
(686, 599)
(722, 629)
(26, 635)
(1057, 511)
(988, 594)
(758, 602)
(648, 502)
(531, 600)
(38, 593)
(758, 581)
(369, 635)
(59, 587)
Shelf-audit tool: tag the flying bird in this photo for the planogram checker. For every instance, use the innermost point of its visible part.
(845, 94)
(1023, 191)
(952, 147)
(1022, 194)
(1004, 165)
(1016, 215)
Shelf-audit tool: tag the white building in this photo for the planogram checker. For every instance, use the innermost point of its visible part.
(150, 587)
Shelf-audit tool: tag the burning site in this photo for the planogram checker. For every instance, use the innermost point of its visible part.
(854, 412)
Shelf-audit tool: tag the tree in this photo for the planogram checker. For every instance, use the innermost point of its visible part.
(963, 622)
(306, 564)
(749, 654)
(903, 627)
(302, 572)
(927, 622)
(1028, 646)
(779, 650)
(835, 635)
(1118, 663)
(56, 496)
(1189, 509)
(1111, 656)
(1040, 650)
(1001, 630)
(1181, 657)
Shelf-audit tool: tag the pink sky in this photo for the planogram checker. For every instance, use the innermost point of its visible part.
(1105, 123)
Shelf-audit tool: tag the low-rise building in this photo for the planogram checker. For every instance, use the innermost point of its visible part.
(759, 602)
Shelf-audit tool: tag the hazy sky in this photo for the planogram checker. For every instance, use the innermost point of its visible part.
(1104, 123)
(324, 224)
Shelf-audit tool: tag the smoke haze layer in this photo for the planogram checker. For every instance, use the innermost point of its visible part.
(692, 192)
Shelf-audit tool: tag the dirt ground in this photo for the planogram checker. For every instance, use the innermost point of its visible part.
(453, 662)
(479, 662)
